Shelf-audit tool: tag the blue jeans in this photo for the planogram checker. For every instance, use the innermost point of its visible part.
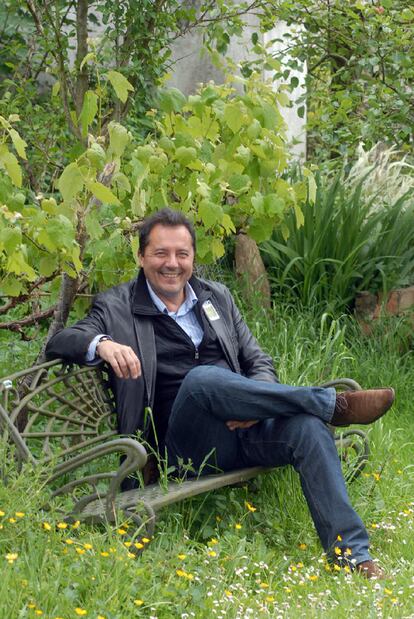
(291, 430)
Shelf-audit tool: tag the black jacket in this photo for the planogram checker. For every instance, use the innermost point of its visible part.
(125, 313)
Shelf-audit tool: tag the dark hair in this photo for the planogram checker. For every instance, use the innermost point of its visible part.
(164, 217)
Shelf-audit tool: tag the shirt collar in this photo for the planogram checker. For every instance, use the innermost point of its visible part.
(189, 301)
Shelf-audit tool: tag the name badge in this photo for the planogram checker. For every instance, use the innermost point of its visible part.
(210, 311)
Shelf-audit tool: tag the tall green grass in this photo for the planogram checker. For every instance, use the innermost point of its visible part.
(200, 564)
(346, 244)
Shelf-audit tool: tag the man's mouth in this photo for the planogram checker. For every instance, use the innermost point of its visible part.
(170, 275)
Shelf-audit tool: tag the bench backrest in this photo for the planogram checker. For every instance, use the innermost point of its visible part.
(56, 408)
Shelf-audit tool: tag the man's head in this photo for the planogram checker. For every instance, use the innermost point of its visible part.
(166, 253)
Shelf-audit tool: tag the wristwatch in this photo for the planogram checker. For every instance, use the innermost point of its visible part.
(102, 339)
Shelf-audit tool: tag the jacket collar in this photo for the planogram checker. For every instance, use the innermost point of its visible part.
(143, 304)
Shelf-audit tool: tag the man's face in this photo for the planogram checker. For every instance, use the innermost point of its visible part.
(168, 262)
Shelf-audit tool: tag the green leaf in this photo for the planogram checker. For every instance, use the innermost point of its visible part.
(44, 239)
(49, 206)
(76, 258)
(210, 213)
(89, 110)
(93, 225)
(120, 85)
(185, 154)
(17, 264)
(11, 287)
(274, 204)
(55, 88)
(171, 100)
(10, 239)
(87, 58)
(103, 194)
(71, 182)
(239, 183)
(9, 162)
(19, 143)
(217, 248)
(233, 115)
(228, 224)
(260, 230)
(47, 265)
(118, 138)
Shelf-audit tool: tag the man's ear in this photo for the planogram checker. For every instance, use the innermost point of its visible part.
(140, 259)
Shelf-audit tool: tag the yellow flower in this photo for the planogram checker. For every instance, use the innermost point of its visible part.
(337, 568)
(237, 526)
(181, 556)
(394, 600)
(189, 576)
(131, 555)
(104, 554)
(374, 526)
(31, 605)
(38, 611)
(11, 556)
(339, 538)
(12, 520)
(80, 551)
(264, 585)
(293, 568)
(388, 591)
(19, 514)
(313, 577)
(47, 526)
(1, 513)
(347, 569)
(138, 602)
(212, 553)
(81, 611)
(348, 551)
(121, 531)
(100, 617)
(139, 545)
(287, 590)
(399, 472)
(88, 546)
(69, 541)
(302, 546)
(76, 524)
(146, 540)
(376, 476)
(218, 519)
(270, 598)
(127, 544)
(228, 593)
(180, 573)
(213, 541)
(300, 564)
(338, 551)
(62, 525)
(250, 507)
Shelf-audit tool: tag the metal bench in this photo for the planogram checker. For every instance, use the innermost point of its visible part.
(62, 418)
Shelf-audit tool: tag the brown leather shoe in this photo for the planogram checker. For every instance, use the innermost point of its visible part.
(361, 406)
(369, 569)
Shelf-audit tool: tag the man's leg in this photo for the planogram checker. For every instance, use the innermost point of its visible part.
(306, 443)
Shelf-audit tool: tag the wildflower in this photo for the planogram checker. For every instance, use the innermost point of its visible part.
(80, 551)
(121, 531)
(300, 564)
(213, 541)
(47, 526)
(62, 525)
(237, 526)
(293, 568)
(250, 507)
(394, 600)
(69, 541)
(138, 602)
(104, 554)
(38, 611)
(2, 513)
(228, 593)
(337, 568)
(339, 538)
(12, 520)
(100, 617)
(313, 577)
(387, 591)
(374, 526)
(11, 557)
(76, 524)
(139, 545)
(88, 546)
(146, 540)
(131, 555)
(180, 573)
(376, 476)
(399, 472)
(264, 585)
(338, 551)
(181, 556)
(212, 553)
(218, 519)
(348, 552)
(270, 598)
(81, 612)
(347, 569)
(31, 605)
(127, 544)
(302, 546)
(19, 514)
(287, 590)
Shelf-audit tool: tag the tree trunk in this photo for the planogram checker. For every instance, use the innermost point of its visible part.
(250, 269)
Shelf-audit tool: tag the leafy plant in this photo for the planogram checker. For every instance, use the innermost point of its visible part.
(345, 245)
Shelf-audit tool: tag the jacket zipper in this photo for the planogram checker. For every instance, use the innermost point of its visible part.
(196, 354)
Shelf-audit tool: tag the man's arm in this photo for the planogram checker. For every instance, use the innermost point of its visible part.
(72, 344)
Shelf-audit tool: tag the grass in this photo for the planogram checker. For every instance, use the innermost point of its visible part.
(239, 552)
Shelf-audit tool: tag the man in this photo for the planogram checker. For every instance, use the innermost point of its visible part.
(178, 344)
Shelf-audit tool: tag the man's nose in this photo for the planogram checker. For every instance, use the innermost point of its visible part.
(172, 262)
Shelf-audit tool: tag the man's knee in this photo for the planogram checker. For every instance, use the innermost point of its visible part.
(307, 429)
(202, 377)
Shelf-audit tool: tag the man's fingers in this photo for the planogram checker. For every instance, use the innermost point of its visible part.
(122, 359)
(243, 425)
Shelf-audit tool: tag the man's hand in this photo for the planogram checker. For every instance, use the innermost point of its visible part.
(243, 425)
(122, 359)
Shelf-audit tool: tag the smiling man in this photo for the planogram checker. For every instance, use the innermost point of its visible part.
(178, 344)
